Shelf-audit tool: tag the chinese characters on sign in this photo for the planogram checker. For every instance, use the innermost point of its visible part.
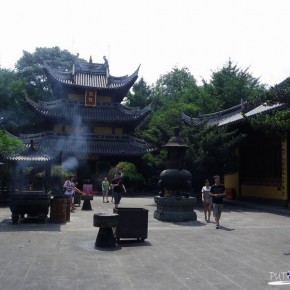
(90, 99)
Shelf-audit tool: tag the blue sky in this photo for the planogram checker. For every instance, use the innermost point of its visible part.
(201, 35)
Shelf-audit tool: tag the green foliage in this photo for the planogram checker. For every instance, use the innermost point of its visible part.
(276, 122)
(140, 95)
(30, 68)
(12, 108)
(29, 78)
(177, 86)
(9, 145)
(212, 150)
(132, 178)
(172, 93)
(59, 171)
(231, 84)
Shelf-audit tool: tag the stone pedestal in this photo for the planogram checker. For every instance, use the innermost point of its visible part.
(87, 201)
(105, 222)
(175, 209)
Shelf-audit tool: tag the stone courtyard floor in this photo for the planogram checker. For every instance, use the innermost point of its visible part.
(249, 251)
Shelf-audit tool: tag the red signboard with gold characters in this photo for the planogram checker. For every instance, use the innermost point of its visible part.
(90, 99)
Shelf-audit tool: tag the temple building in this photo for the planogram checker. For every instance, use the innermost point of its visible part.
(263, 173)
(87, 126)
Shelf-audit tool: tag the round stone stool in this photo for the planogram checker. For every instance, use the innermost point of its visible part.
(105, 222)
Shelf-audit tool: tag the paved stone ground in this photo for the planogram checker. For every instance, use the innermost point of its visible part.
(251, 249)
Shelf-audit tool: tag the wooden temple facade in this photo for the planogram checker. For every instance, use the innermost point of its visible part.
(87, 126)
(264, 167)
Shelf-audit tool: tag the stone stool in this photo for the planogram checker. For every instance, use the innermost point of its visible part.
(105, 222)
(87, 201)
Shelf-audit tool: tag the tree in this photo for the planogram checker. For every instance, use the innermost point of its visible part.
(276, 121)
(131, 178)
(29, 78)
(178, 85)
(231, 84)
(13, 109)
(174, 92)
(9, 145)
(140, 95)
(212, 150)
(30, 69)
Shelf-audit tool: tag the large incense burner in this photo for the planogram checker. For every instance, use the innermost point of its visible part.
(31, 203)
(174, 203)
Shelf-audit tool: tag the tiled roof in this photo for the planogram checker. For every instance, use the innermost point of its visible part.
(229, 116)
(104, 113)
(31, 155)
(92, 75)
(104, 145)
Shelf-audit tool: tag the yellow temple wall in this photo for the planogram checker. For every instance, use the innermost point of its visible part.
(274, 191)
(103, 130)
(119, 131)
(233, 181)
(260, 191)
(104, 99)
(76, 97)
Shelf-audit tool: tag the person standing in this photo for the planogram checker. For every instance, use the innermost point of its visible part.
(105, 189)
(206, 200)
(217, 191)
(118, 188)
(70, 189)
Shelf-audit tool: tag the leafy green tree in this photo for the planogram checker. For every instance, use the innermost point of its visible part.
(212, 150)
(231, 84)
(13, 109)
(178, 85)
(140, 95)
(276, 121)
(29, 78)
(131, 177)
(30, 69)
(172, 93)
(9, 145)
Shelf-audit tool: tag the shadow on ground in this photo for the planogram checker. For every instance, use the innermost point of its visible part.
(27, 225)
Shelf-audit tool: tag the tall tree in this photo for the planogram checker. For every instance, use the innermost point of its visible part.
(276, 121)
(231, 84)
(212, 150)
(178, 85)
(140, 95)
(13, 111)
(30, 68)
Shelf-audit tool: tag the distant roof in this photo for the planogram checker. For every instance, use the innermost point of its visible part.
(92, 75)
(103, 113)
(31, 155)
(81, 144)
(228, 116)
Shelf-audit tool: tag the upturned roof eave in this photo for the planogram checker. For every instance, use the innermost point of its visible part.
(123, 114)
(111, 83)
(102, 145)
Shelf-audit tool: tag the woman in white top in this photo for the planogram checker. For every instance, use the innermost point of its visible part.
(70, 189)
(206, 200)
